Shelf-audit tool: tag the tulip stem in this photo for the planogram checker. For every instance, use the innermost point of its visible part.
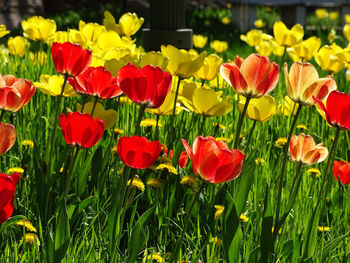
(174, 255)
(54, 129)
(295, 178)
(250, 134)
(94, 107)
(284, 165)
(83, 102)
(172, 118)
(156, 133)
(2, 115)
(240, 122)
(70, 171)
(139, 118)
(282, 58)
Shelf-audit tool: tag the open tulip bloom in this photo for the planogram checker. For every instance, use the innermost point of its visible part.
(341, 170)
(213, 161)
(147, 86)
(8, 185)
(252, 77)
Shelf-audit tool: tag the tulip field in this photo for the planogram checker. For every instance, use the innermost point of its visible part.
(222, 153)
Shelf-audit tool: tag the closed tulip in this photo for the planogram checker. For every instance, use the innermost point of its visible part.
(336, 109)
(341, 170)
(70, 59)
(321, 13)
(81, 130)
(3, 31)
(8, 137)
(254, 77)
(91, 31)
(8, 185)
(137, 152)
(304, 150)
(38, 28)
(182, 63)
(17, 46)
(147, 86)
(327, 58)
(199, 41)
(52, 85)
(205, 101)
(305, 50)
(15, 93)
(253, 37)
(210, 68)
(286, 37)
(219, 46)
(259, 109)
(128, 24)
(303, 83)
(96, 82)
(213, 161)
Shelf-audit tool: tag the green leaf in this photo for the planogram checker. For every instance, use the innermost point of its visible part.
(266, 239)
(331, 246)
(82, 174)
(62, 234)
(311, 233)
(9, 222)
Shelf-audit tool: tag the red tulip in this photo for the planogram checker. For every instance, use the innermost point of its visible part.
(337, 109)
(213, 161)
(97, 82)
(81, 129)
(252, 77)
(138, 152)
(15, 93)
(303, 149)
(341, 169)
(147, 86)
(183, 158)
(8, 185)
(7, 137)
(70, 59)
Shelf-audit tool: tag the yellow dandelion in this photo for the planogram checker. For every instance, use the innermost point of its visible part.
(219, 210)
(189, 180)
(154, 182)
(314, 172)
(279, 231)
(118, 131)
(157, 257)
(226, 20)
(121, 170)
(124, 100)
(302, 127)
(223, 139)
(216, 240)
(15, 170)
(114, 149)
(166, 159)
(332, 138)
(137, 183)
(61, 170)
(260, 161)
(27, 224)
(149, 123)
(323, 228)
(28, 143)
(167, 166)
(30, 238)
(219, 126)
(280, 142)
(243, 218)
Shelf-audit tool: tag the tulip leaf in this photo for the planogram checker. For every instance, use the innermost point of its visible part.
(266, 240)
(311, 233)
(83, 174)
(62, 233)
(96, 166)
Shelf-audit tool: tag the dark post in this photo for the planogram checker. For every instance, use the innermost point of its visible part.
(167, 25)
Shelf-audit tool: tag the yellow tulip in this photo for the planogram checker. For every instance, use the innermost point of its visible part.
(205, 101)
(259, 23)
(264, 48)
(346, 31)
(128, 24)
(218, 82)
(305, 50)
(199, 41)
(210, 68)
(347, 18)
(109, 39)
(287, 106)
(109, 116)
(181, 62)
(259, 109)
(3, 31)
(286, 37)
(97, 60)
(38, 58)
(113, 65)
(38, 28)
(226, 20)
(72, 35)
(321, 13)
(155, 59)
(332, 35)
(167, 107)
(17, 45)
(277, 50)
(344, 55)
(219, 46)
(91, 31)
(60, 37)
(187, 87)
(253, 37)
(333, 15)
(52, 85)
(328, 59)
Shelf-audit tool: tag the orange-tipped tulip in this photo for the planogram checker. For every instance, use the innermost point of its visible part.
(303, 83)
(252, 77)
(304, 150)
(8, 136)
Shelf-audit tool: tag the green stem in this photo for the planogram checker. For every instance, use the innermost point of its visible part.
(94, 107)
(174, 255)
(283, 57)
(70, 171)
(156, 135)
(2, 115)
(250, 135)
(202, 125)
(172, 117)
(240, 122)
(295, 178)
(284, 166)
(139, 118)
(83, 102)
(53, 134)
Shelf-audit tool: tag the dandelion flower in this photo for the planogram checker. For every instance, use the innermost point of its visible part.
(137, 183)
